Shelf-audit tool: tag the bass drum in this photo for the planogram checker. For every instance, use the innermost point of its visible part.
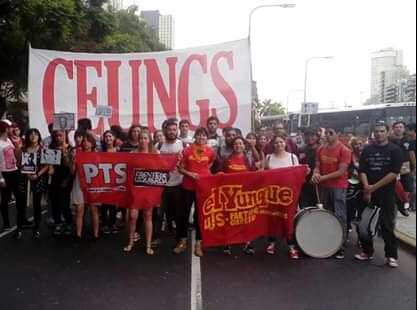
(319, 233)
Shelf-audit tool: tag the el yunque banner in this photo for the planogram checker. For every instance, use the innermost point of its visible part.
(237, 208)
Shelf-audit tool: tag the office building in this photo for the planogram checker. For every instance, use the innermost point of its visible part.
(387, 69)
(166, 31)
(161, 25)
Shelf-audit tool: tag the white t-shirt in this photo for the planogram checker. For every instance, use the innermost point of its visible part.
(7, 157)
(188, 140)
(176, 177)
(273, 162)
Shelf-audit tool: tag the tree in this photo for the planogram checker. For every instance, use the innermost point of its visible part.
(67, 25)
(267, 108)
(44, 23)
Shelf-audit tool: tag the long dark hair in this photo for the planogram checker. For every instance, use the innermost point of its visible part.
(28, 132)
(119, 133)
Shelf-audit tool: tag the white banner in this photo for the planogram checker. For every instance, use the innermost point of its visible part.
(143, 88)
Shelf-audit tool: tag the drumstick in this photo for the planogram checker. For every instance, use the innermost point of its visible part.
(319, 204)
(28, 195)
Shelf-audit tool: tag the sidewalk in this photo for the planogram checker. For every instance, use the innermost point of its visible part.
(406, 229)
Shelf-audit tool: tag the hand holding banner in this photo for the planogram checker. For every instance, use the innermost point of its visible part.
(126, 180)
(237, 208)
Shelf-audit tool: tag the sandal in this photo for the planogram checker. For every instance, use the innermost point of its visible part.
(129, 247)
(149, 251)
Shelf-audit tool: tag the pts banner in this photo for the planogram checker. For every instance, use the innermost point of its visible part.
(123, 179)
(237, 208)
(144, 88)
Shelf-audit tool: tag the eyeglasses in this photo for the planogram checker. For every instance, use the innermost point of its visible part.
(330, 133)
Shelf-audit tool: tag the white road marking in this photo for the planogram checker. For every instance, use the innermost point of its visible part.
(196, 287)
(4, 234)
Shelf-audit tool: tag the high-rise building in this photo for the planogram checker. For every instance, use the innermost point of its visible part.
(161, 25)
(152, 19)
(166, 31)
(387, 70)
(410, 91)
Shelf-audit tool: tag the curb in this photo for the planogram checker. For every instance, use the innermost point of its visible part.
(404, 238)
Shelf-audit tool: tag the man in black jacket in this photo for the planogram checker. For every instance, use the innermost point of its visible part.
(380, 165)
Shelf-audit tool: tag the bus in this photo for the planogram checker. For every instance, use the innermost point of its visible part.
(356, 120)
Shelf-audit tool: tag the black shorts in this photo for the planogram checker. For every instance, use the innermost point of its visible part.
(407, 182)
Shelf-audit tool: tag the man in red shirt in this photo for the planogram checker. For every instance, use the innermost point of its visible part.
(331, 174)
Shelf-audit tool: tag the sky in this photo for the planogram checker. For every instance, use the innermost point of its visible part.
(283, 39)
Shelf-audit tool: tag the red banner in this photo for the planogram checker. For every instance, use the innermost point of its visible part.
(237, 208)
(123, 179)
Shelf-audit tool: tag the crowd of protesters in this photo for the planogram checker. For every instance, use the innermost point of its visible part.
(350, 172)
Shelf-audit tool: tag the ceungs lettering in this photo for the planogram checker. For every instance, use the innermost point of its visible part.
(231, 204)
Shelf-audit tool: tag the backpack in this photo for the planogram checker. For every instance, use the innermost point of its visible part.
(368, 227)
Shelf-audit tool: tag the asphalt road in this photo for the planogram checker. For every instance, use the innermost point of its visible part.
(56, 273)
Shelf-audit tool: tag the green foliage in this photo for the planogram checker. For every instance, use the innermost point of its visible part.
(267, 108)
(68, 25)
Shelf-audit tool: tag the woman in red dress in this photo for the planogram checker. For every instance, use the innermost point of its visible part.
(145, 146)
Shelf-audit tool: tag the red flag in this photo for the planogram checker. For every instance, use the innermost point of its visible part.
(124, 179)
(148, 174)
(237, 208)
(103, 177)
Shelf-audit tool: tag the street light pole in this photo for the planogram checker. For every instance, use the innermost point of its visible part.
(305, 83)
(284, 6)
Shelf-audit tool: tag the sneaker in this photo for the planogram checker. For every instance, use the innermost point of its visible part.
(392, 262)
(5, 228)
(294, 254)
(106, 230)
(227, 250)
(36, 234)
(363, 257)
(249, 250)
(68, 230)
(404, 212)
(18, 235)
(58, 230)
(271, 250)
(114, 230)
(198, 251)
(180, 248)
(340, 255)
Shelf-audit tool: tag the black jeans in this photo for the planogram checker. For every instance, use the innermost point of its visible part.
(308, 196)
(60, 200)
(12, 186)
(108, 215)
(171, 202)
(37, 211)
(189, 197)
(385, 199)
